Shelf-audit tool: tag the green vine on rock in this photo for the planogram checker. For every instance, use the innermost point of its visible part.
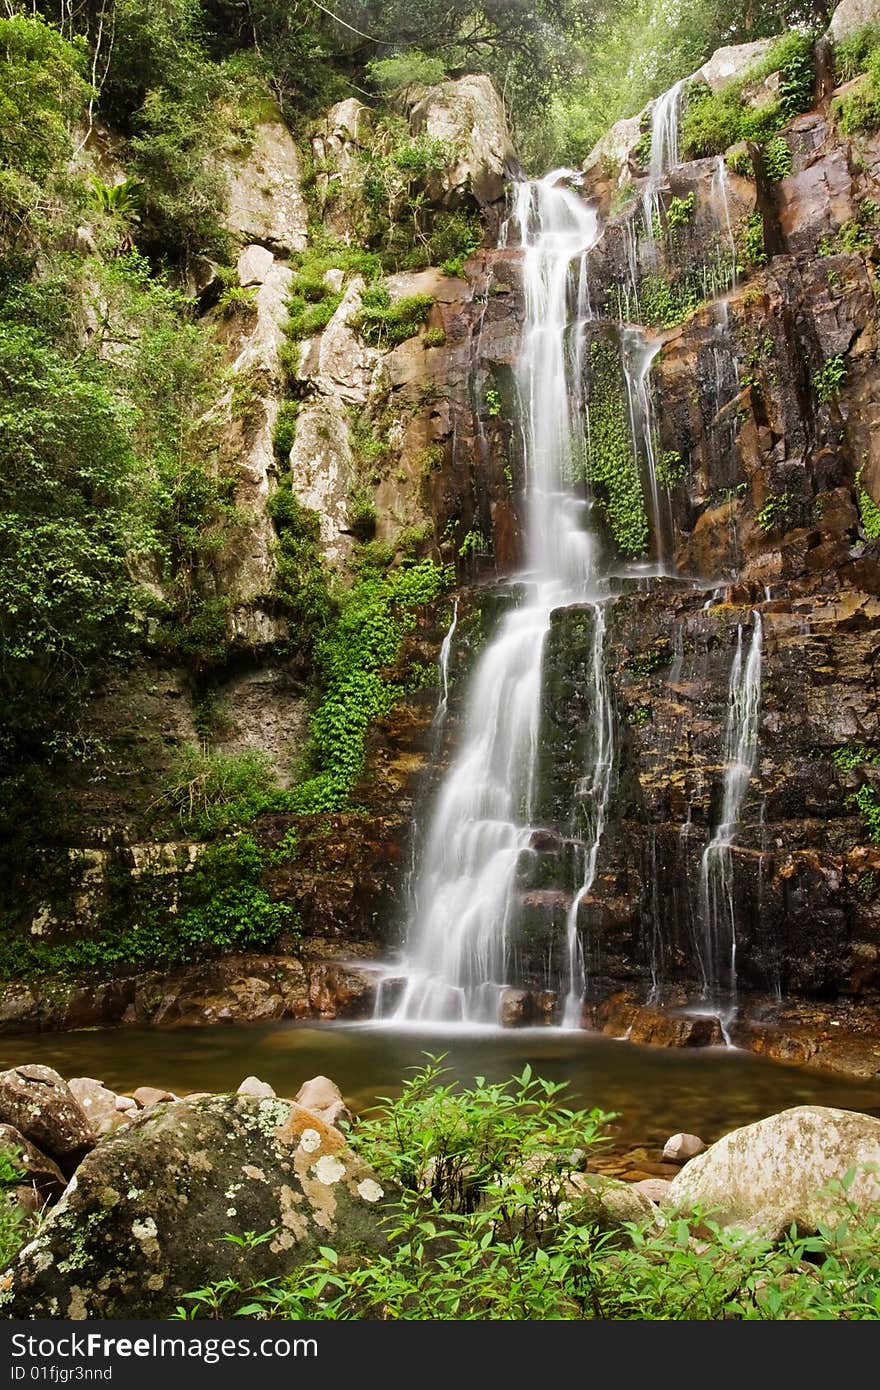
(613, 464)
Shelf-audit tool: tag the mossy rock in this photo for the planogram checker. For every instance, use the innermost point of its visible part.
(145, 1218)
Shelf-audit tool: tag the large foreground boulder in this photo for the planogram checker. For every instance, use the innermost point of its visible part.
(786, 1169)
(144, 1220)
(37, 1102)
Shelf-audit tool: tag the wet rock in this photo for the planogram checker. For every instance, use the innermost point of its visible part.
(45, 1177)
(253, 1086)
(516, 1008)
(149, 1096)
(682, 1147)
(99, 1104)
(786, 1169)
(37, 1102)
(144, 1221)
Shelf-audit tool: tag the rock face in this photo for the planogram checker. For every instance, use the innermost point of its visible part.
(37, 1102)
(143, 1222)
(469, 115)
(265, 199)
(41, 1172)
(772, 1174)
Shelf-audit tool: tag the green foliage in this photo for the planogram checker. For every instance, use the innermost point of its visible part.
(869, 512)
(665, 303)
(434, 337)
(489, 1227)
(284, 433)
(828, 379)
(237, 301)
(492, 402)
(13, 1224)
(409, 69)
(355, 657)
(670, 469)
(858, 110)
(613, 465)
(792, 57)
(853, 54)
(679, 212)
(752, 249)
(853, 755)
(867, 803)
(473, 543)
(300, 590)
(383, 322)
(210, 793)
(166, 919)
(740, 162)
(778, 512)
(713, 121)
(777, 158)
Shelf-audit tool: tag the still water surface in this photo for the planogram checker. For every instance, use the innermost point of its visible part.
(657, 1091)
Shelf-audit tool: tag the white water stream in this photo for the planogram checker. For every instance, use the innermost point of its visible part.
(456, 953)
(716, 869)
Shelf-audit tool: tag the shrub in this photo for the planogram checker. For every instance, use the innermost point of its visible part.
(858, 110)
(853, 54)
(828, 379)
(383, 322)
(869, 512)
(211, 792)
(777, 158)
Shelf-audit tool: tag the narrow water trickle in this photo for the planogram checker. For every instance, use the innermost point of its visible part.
(716, 869)
(456, 956)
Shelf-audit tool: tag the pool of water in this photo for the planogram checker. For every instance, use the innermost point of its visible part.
(656, 1091)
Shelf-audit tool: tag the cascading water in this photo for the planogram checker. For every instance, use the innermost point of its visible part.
(664, 155)
(716, 870)
(637, 355)
(455, 958)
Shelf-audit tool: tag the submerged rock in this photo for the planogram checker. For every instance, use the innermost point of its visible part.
(787, 1169)
(145, 1219)
(37, 1102)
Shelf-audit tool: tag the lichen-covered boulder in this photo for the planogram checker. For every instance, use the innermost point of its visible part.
(786, 1169)
(144, 1220)
(37, 1102)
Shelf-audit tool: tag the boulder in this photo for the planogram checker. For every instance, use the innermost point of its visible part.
(607, 1203)
(145, 1218)
(655, 1189)
(254, 265)
(42, 1172)
(37, 1102)
(469, 115)
(148, 1096)
(318, 1094)
(786, 1169)
(98, 1104)
(851, 16)
(516, 1008)
(680, 1148)
(253, 1086)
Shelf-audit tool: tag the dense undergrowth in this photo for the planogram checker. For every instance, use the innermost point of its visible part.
(489, 1226)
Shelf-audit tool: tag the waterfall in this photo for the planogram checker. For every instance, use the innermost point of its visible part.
(443, 671)
(664, 155)
(637, 355)
(592, 797)
(720, 200)
(456, 951)
(716, 869)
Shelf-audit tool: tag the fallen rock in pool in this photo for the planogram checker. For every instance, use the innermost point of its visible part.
(681, 1148)
(41, 1172)
(37, 1102)
(324, 1098)
(99, 1104)
(144, 1220)
(767, 1175)
(253, 1086)
(148, 1096)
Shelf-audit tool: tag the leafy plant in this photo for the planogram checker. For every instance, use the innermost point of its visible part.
(778, 512)
(613, 466)
(777, 158)
(828, 378)
(754, 252)
(383, 322)
(869, 512)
